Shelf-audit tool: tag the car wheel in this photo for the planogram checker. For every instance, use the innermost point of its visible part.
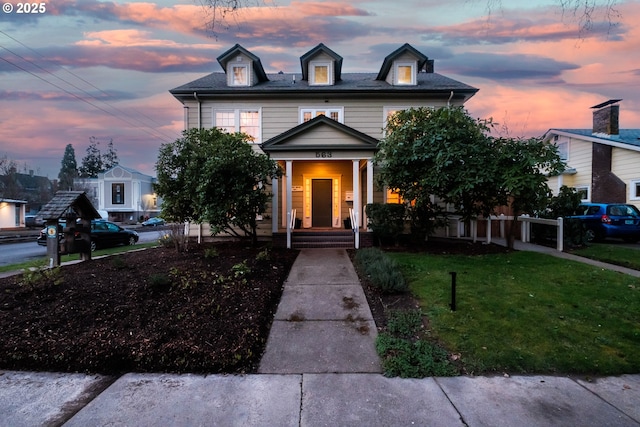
(94, 246)
(132, 241)
(590, 235)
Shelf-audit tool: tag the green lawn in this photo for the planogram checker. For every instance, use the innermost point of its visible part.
(611, 253)
(526, 312)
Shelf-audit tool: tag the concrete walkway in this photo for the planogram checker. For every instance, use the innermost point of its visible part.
(319, 369)
(323, 323)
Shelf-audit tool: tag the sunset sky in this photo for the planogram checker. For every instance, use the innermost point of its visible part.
(89, 68)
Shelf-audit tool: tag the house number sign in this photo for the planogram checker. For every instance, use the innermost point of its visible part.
(324, 154)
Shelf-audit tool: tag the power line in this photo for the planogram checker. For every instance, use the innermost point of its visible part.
(121, 115)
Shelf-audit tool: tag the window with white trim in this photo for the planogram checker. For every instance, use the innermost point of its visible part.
(240, 75)
(584, 191)
(405, 73)
(320, 73)
(240, 120)
(563, 148)
(634, 189)
(307, 114)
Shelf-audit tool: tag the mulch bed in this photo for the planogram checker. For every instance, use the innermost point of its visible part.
(154, 310)
(208, 310)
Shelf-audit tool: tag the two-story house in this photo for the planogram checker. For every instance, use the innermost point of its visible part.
(603, 162)
(320, 124)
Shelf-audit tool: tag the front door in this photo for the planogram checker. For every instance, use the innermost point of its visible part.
(321, 202)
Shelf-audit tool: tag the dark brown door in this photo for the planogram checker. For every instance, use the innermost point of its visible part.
(321, 202)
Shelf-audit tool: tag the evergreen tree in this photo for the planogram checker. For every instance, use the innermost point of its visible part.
(92, 162)
(68, 170)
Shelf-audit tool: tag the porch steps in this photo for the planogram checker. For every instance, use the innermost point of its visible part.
(322, 239)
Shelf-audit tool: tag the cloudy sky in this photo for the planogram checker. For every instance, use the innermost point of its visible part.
(88, 68)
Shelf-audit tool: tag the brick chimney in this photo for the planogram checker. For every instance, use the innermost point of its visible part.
(605, 118)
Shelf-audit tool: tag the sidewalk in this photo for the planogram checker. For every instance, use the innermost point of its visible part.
(319, 368)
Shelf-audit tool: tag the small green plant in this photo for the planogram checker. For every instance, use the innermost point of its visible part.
(407, 352)
(159, 282)
(264, 255)
(404, 323)
(40, 276)
(383, 272)
(241, 269)
(211, 253)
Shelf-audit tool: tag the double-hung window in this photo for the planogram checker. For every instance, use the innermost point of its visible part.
(239, 120)
(307, 114)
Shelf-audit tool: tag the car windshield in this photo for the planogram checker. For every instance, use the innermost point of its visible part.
(623, 210)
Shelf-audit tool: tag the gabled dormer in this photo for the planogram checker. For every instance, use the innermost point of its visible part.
(401, 67)
(242, 67)
(321, 66)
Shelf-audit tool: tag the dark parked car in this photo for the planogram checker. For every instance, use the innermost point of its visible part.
(603, 220)
(104, 234)
(153, 222)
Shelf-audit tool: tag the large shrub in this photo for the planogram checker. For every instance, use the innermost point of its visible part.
(386, 220)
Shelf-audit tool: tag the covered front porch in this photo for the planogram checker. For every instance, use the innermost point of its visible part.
(328, 179)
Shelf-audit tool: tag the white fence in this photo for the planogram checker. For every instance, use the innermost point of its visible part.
(455, 221)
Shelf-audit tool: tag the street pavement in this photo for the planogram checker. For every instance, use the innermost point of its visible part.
(319, 369)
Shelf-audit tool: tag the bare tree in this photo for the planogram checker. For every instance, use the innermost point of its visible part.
(219, 11)
(583, 12)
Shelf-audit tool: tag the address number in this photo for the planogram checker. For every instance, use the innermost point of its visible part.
(323, 154)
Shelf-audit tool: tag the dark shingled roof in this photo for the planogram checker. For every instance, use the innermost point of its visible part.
(63, 200)
(360, 83)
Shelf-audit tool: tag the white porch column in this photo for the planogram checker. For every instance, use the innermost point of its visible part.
(275, 186)
(357, 208)
(287, 190)
(369, 186)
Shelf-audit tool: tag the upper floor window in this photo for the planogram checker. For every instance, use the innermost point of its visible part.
(307, 114)
(405, 73)
(563, 148)
(117, 194)
(320, 73)
(239, 120)
(240, 75)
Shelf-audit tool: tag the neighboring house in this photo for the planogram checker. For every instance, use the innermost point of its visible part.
(603, 163)
(321, 125)
(125, 194)
(35, 190)
(12, 213)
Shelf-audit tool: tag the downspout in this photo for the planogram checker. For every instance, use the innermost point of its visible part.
(449, 100)
(195, 95)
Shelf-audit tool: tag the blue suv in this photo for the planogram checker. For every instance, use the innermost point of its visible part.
(602, 220)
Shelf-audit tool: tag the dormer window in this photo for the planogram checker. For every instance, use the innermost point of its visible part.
(242, 67)
(405, 73)
(320, 73)
(240, 75)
